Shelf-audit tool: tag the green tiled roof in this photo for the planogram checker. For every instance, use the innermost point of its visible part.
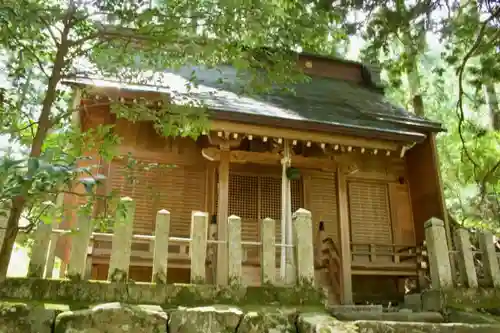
(319, 100)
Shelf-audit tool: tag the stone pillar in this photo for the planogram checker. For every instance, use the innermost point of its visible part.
(304, 247)
(40, 249)
(439, 258)
(51, 255)
(121, 246)
(160, 256)
(79, 247)
(465, 258)
(235, 250)
(198, 247)
(88, 261)
(489, 258)
(268, 251)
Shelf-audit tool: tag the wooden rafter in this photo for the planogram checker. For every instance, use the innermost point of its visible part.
(306, 136)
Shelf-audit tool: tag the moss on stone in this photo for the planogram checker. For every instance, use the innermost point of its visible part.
(438, 300)
(18, 317)
(80, 293)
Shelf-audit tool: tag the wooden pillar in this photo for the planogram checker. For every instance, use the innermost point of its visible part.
(287, 271)
(345, 238)
(212, 249)
(222, 215)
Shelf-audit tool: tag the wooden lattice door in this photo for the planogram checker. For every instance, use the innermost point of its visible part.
(254, 197)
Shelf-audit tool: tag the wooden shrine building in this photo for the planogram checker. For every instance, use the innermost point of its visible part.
(366, 169)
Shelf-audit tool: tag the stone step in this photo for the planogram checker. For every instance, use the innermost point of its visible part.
(355, 308)
(406, 327)
(317, 322)
(402, 316)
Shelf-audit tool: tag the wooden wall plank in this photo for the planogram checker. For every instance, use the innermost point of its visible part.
(369, 213)
(403, 228)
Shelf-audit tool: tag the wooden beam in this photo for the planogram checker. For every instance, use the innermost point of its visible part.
(344, 232)
(222, 215)
(217, 140)
(242, 157)
(222, 125)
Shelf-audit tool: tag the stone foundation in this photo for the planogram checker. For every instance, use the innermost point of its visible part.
(63, 306)
(83, 293)
(124, 318)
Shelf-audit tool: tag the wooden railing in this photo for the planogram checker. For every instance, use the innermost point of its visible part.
(384, 259)
(198, 249)
(334, 267)
(402, 260)
(327, 261)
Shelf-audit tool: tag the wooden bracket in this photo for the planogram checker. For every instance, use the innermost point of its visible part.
(225, 140)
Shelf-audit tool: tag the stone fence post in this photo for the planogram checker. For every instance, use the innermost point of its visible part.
(40, 249)
(304, 248)
(235, 253)
(79, 246)
(439, 258)
(466, 266)
(198, 247)
(160, 255)
(489, 258)
(121, 244)
(268, 251)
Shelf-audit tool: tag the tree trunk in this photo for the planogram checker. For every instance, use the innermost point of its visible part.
(44, 125)
(414, 85)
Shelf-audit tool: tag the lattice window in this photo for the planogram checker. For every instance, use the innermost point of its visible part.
(270, 197)
(243, 196)
(297, 194)
(243, 202)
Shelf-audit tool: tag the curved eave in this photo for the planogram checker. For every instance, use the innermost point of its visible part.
(308, 125)
(406, 136)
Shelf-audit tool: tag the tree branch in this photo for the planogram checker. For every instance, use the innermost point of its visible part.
(460, 72)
